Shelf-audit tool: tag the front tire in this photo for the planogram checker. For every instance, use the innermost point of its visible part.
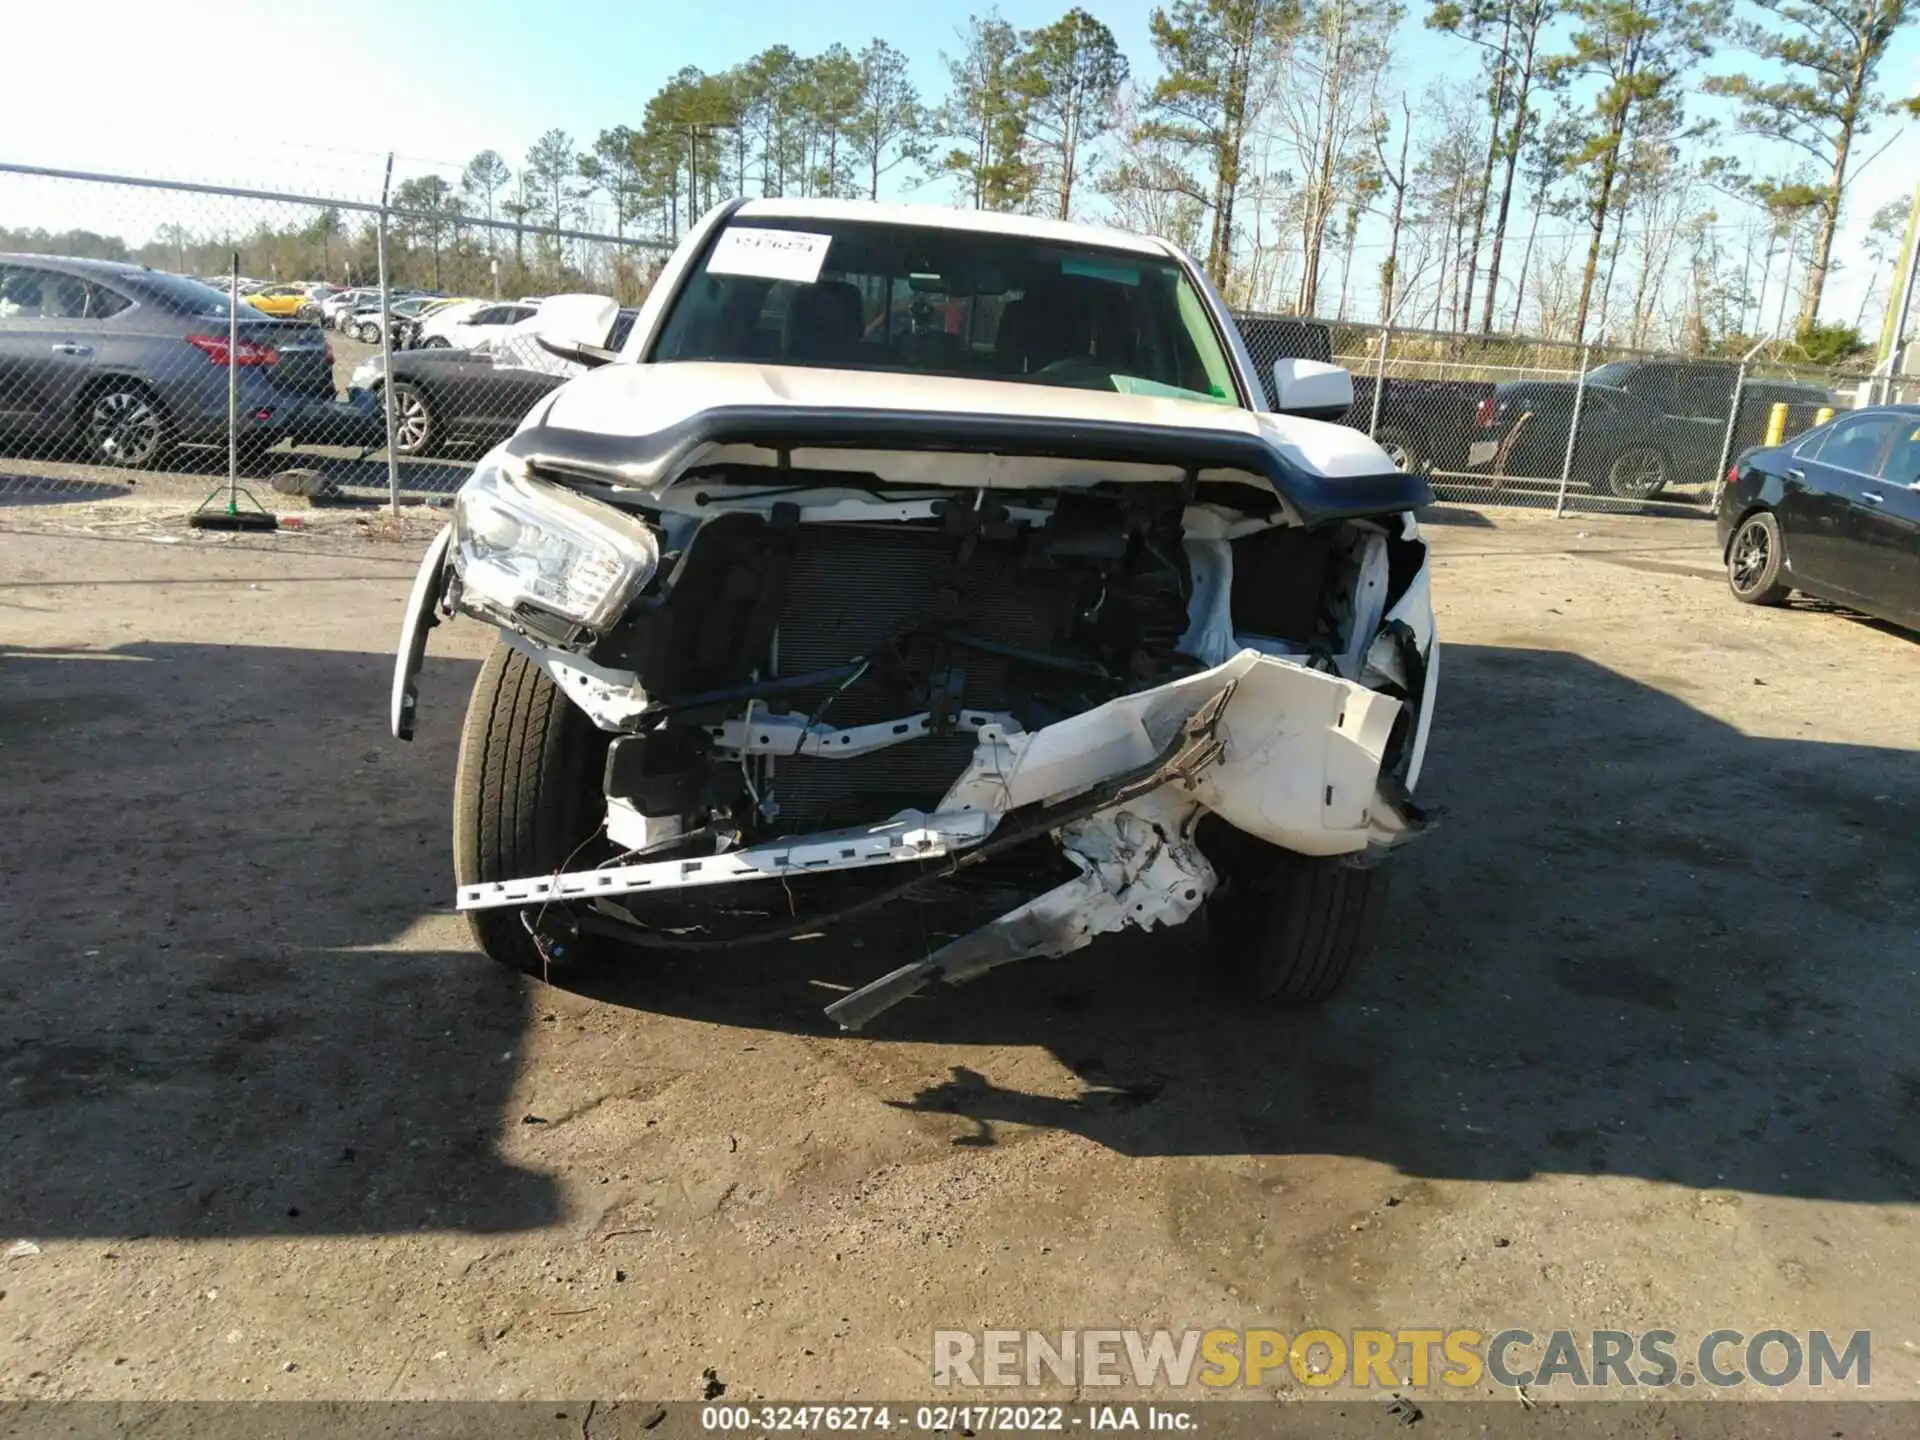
(368, 334)
(526, 795)
(1402, 450)
(1291, 927)
(1756, 559)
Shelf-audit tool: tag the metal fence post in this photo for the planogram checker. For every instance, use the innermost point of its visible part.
(233, 381)
(1733, 420)
(1379, 379)
(1573, 431)
(386, 342)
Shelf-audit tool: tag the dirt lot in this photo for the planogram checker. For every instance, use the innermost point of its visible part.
(1639, 1049)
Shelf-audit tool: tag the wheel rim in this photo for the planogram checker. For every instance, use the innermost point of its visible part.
(1752, 548)
(1637, 472)
(124, 428)
(411, 421)
(1398, 453)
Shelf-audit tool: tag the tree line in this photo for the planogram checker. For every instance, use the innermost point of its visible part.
(1577, 179)
(1574, 178)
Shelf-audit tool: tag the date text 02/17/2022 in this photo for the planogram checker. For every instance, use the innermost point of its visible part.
(933, 1419)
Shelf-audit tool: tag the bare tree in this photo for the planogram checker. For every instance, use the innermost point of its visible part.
(1546, 165)
(1882, 242)
(1510, 33)
(1396, 178)
(1363, 186)
(1445, 186)
(1323, 106)
(1147, 186)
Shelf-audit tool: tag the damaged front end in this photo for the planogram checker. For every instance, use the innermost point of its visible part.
(850, 647)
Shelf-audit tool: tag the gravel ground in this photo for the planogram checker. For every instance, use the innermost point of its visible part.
(1637, 1051)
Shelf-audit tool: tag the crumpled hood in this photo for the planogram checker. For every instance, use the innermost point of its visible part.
(643, 401)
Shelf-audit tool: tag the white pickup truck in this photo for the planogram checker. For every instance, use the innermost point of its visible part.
(893, 539)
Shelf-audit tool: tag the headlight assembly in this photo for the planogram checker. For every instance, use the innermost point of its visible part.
(526, 550)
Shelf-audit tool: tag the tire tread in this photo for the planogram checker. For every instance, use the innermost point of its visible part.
(521, 792)
(1304, 925)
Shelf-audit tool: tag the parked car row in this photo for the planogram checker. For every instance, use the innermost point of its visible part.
(119, 364)
(422, 319)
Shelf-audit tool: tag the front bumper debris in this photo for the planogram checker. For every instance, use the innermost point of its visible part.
(1138, 866)
(1298, 762)
(1130, 837)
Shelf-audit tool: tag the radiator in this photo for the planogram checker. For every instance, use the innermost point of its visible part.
(849, 590)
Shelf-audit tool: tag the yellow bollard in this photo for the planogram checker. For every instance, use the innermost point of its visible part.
(1776, 424)
(1823, 414)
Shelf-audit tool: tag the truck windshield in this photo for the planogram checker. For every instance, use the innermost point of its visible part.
(928, 300)
(1614, 373)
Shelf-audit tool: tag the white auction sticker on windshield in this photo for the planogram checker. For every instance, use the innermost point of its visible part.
(795, 255)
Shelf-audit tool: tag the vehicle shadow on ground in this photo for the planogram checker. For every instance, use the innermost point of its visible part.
(1817, 606)
(354, 472)
(208, 1025)
(1454, 513)
(1640, 943)
(22, 490)
(347, 467)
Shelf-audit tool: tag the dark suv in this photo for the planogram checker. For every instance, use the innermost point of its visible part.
(116, 364)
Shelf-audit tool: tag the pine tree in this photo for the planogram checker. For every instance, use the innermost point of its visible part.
(986, 112)
(886, 128)
(1637, 51)
(1068, 76)
(1829, 52)
(1213, 53)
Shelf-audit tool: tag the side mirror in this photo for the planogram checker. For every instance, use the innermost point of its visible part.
(574, 327)
(1311, 389)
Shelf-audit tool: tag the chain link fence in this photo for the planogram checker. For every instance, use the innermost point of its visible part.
(119, 335)
(383, 348)
(1498, 420)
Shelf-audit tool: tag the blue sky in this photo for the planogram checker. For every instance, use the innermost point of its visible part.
(323, 90)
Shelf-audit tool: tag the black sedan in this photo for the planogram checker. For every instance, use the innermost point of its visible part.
(1834, 512)
(444, 397)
